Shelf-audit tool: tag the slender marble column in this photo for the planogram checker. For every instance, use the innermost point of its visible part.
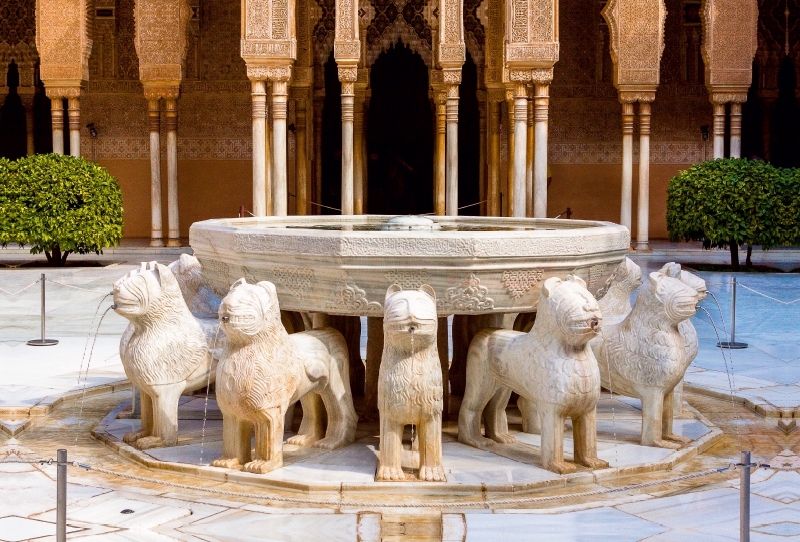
(482, 191)
(494, 158)
(643, 216)
(319, 102)
(279, 113)
(439, 171)
(269, 165)
(719, 130)
(451, 166)
(301, 162)
(627, 164)
(529, 163)
(512, 151)
(520, 149)
(260, 189)
(171, 118)
(154, 125)
(348, 97)
(540, 119)
(74, 105)
(358, 155)
(27, 103)
(57, 118)
(365, 156)
(736, 130)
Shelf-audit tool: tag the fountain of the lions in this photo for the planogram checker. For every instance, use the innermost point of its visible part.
(406, 275)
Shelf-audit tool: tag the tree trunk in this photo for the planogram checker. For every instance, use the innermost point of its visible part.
(749, 262)
(56, 258)
(734, 255)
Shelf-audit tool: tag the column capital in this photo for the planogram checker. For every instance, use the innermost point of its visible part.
(637, 94)
(347, 73)
(55, 92)
(725, 95)
(167, 92)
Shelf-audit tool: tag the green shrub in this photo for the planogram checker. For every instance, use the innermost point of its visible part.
(732, 202)
(9, 204)
(64, 204)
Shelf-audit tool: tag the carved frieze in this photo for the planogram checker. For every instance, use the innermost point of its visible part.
(730, 39)
(452, 50)
(346, 45)
(531, 36)
(519, 282)
(636, 40)
(469, 296)
(268, 32)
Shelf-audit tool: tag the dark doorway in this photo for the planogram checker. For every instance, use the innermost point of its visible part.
(332, 141)
(468, 140)
(785, 132)
(400, 135)
(13, 142)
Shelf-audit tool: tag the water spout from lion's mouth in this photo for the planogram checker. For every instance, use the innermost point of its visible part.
(225, 319)
(114, 306)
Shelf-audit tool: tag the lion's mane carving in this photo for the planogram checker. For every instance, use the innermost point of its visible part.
(410, 382)
(645, 356)
(164, 351)
(551, 367)
(625, 279)
(263, 370)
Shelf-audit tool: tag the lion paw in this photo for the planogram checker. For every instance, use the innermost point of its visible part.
(665, 444)
(390, 474)
(302, 440)
(562, 467)
(477, 442)
(227, 463)
(330, 443)
(260, 466)
(678, 438)
(133, 436)
(145, 443)
(432, 473)
(594, 463)
(504, 438)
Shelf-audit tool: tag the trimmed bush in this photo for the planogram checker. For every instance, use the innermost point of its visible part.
(64, 204)
(732, 202)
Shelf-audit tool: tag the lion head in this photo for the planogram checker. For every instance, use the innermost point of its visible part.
(149, 290)
(569, 305)
(250, 310)
(199, 296)
(689, 279)
(408, 312)
(679, 300)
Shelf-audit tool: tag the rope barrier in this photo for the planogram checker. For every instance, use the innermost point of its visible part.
(76, 287)
(769, 297)
(372, 504)
(12, 294)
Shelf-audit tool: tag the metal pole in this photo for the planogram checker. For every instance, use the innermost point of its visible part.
(61, 502)
(744, 500)
(42, 341)
(732, 344)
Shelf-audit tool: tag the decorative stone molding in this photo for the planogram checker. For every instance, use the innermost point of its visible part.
(531, 35)
(161, 40)
(154, 92)
(520, 281)
(633, 96)
(64, 43)
(63, 92)
(636, 30)
(268, 32)
(730, 40)
(469, 296)
(346, 44)
(452, 50)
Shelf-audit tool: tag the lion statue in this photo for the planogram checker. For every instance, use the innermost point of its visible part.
(263, 370)
(165, 350)
(645, 355)
(551, 367)
(625, 279)
(410, 383)
(199, 297)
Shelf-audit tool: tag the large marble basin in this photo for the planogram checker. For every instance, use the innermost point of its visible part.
(344, 264)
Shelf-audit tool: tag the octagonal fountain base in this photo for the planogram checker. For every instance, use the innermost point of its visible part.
(505, 468)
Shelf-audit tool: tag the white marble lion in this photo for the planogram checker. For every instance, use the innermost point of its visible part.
(410, 383)
(625, 279)
(645, 356)
(551, 367)
(165, 351)
(263, 370)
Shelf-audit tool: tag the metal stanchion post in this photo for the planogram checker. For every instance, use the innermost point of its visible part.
(42, 341)
(744, 498)
(61, 499)
(732, 344)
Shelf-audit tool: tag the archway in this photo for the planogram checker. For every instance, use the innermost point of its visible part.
(12, 119)
(784, 134)
(400, 135)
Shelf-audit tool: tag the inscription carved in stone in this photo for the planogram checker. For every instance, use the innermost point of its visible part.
(520, 281)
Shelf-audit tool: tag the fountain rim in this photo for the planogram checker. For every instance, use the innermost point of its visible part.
(293, 225)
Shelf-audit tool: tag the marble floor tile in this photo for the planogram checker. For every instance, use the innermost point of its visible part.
(109, 511)
(783, 486)
(588, 525)
(467, 465)
(246, 526)
(352, 464)
(17, 529)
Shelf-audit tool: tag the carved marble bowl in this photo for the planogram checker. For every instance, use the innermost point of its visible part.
(344, 264)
